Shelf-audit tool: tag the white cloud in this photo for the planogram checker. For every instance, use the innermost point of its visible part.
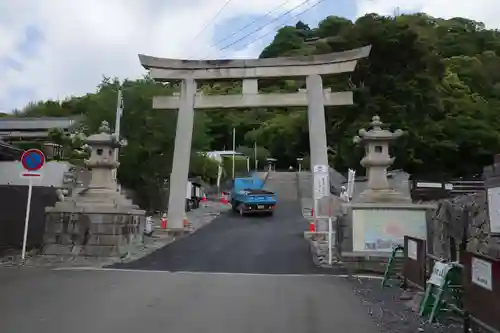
(485, 11)
(84, 40)
(87, 39)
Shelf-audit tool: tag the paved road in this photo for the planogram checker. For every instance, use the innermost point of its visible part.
(139, 301)
(250, 244)
(203, 291)
(235, 244)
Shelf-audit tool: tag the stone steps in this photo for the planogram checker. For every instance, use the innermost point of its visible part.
(284, 184)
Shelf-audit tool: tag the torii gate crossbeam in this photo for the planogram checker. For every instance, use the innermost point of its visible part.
(189, 71)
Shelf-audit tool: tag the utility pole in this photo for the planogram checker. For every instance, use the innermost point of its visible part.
(234, 146)
(119, 112)
(396, 12)
(255, 155)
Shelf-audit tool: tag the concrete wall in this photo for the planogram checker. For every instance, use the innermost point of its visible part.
(53, 174)
(13, 212)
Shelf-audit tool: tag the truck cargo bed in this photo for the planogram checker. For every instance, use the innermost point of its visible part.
(257, 191)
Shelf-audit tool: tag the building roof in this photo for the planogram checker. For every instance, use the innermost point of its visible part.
(43, 123)
(223, 152)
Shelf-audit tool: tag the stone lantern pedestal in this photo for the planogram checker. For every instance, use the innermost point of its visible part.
(97, 220)
(379, 218)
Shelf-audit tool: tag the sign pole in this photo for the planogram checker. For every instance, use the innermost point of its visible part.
(32, 162)
(27, 218)
(234, 146)
(330, 227)
(119, 113)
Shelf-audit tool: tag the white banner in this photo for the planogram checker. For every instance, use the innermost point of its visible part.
(321, 183)
(350, 182)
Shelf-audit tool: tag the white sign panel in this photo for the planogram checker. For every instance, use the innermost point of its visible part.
(380, 230)
(412, 249)
(438, 273)
(494, 209)
(321, 183)
(321, 168)
(429, 185)
(481, 273)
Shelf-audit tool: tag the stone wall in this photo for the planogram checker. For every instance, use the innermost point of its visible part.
(91, 234)
(463, 221)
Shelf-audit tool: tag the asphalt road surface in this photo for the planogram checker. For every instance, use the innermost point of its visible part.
(238, 275)
(249, 244)
(150, 301)
(235, 244)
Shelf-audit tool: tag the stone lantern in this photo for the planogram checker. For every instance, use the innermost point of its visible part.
(376, 161)
(97, 220)
(102, 159)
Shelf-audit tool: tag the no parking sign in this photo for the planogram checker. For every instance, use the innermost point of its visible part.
(32, 161)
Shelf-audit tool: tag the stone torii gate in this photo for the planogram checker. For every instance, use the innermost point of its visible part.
(191, 71)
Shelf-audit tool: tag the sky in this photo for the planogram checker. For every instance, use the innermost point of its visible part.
(54, 49)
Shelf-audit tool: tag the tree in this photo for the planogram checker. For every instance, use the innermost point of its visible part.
(437, 79)
(262, 155)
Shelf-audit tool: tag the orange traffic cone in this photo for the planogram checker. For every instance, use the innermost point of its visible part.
(164, 221)
(223, 199)
(312, 226)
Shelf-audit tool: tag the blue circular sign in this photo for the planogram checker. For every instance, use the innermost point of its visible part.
(33, 159)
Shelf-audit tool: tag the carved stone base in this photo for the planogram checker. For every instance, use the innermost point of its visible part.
(103, 230)
(382, 196)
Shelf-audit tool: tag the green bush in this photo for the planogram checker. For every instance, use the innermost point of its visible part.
(262, 155)
(240, 165)
(204, 167)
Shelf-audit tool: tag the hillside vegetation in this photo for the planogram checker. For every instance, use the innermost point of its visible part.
(437, 79)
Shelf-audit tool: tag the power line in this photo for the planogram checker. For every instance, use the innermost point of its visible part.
(262, 27)
(272, 31)
(249, 24)
(212, 19)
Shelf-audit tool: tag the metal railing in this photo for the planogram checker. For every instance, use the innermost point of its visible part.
(424, 190)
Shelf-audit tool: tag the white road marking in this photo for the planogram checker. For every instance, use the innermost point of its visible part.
(358, 276)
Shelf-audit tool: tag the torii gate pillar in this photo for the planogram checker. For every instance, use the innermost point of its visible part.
(182, 154)
(189, 71)
(316, 119)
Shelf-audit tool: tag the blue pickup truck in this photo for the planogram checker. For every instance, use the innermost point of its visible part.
(248, 196)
